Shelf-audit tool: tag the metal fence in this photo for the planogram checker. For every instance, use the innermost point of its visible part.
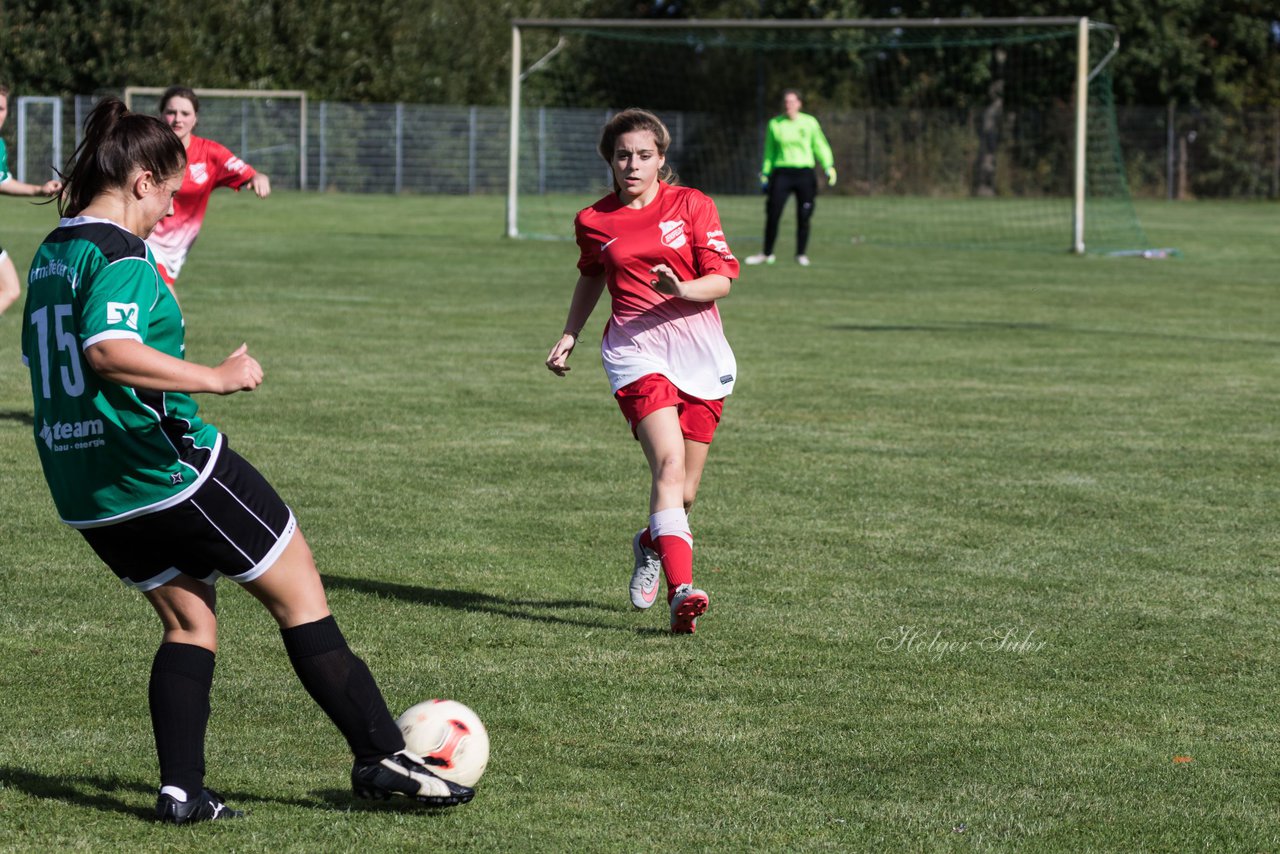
(416, 148)
(1185, 154)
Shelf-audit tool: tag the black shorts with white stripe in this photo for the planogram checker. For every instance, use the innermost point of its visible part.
(234, 525)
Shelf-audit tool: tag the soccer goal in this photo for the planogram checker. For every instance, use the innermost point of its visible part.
(972, 132)
(265, 128)
(39, 139)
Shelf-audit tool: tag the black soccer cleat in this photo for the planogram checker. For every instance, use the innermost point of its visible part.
(405, 773)
(206, 806)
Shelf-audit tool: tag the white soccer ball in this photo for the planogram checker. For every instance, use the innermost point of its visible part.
(450, 737)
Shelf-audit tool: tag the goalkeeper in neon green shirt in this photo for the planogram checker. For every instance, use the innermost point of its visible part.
(793, 145)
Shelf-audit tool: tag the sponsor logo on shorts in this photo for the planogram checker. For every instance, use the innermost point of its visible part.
(123, 312)
(726, 379)
(673, 233)
(85, 432)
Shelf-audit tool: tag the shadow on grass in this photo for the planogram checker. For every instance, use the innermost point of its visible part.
(464, 600)
(100, 792)
(955, 326)
(103, 793)
(342, 799)
(79, 790)
(1014, 326)
(20, 417)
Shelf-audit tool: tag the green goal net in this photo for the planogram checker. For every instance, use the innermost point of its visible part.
(945, 133)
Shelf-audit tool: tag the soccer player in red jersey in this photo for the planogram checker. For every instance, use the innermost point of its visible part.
(209, 165)
(662, 254)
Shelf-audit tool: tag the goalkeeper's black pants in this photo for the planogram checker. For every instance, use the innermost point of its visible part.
(783, 182)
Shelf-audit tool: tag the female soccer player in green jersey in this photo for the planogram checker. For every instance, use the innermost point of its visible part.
(793, 144)
(10, 289)
(157, 492)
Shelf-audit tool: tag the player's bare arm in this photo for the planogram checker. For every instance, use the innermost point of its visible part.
(585, 296)
(261, 185)
(131, 363)
(14, 187)
(705, 289)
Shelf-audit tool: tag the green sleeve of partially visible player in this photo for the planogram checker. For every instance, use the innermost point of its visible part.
(4, 163)
(118, 301)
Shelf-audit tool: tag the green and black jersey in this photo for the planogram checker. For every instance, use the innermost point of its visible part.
(109, 452)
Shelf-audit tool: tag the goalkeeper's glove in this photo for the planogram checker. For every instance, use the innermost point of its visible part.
(764, 184)
(831, 176)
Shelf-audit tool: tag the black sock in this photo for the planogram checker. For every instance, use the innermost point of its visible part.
(181, 677)
(342, 685)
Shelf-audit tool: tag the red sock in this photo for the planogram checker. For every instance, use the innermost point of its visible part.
(677, 562)
(673, 542)
(646, 541)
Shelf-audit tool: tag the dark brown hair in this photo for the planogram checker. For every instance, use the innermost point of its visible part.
(634, 119)
(117, 142)
(180, 92)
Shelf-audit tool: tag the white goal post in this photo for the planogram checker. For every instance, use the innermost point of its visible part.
(1083, 74)
(25, 102)
(298, 95)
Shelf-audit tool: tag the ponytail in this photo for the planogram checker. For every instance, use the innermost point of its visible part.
(116, 143)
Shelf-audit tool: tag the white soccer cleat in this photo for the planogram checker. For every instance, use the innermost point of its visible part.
(802, 260)
(761, 259)
(644, 578)
(687, 606)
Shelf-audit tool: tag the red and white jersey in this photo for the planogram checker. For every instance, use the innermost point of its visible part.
(650, 332)
(209, 165)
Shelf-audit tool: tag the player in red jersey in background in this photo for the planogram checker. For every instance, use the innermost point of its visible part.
(209, 165)
(661, 252)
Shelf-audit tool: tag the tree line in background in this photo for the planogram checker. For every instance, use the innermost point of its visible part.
(1222, 54)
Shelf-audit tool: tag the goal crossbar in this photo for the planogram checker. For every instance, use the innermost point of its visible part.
(787, 24)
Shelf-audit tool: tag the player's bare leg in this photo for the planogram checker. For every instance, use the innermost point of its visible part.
(178, 695)
(291, 589)
(10, 289)
(695, 460)
(665, 448)
(341, 684)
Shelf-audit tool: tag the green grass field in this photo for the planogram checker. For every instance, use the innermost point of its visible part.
(1033, 224)
(990, 538)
